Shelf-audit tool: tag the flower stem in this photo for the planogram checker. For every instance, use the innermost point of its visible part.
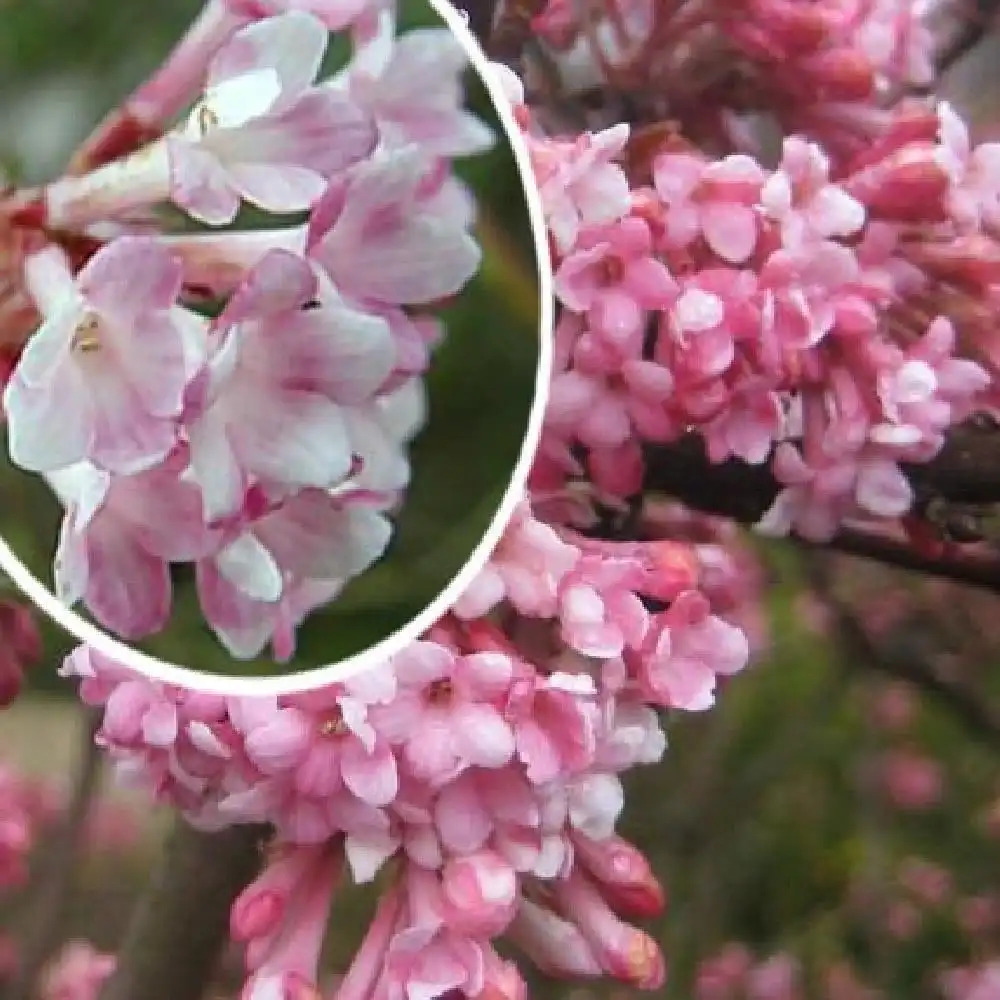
(180, 925)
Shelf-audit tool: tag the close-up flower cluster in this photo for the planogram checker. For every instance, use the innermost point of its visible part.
(774, 244)
(242, 401)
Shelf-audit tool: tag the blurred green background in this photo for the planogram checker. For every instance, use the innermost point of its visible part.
(62, 66)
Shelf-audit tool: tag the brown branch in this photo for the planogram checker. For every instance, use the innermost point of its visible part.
(973, 26)
(180, 926)
(41, 928)
(966, 472)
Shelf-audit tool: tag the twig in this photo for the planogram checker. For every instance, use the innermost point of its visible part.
(967, 471)
(41, 929)
(978, 569)
(905, 660)
(973, 27)
(179, 928)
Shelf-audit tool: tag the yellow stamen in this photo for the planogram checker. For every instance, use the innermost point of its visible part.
(86, 335)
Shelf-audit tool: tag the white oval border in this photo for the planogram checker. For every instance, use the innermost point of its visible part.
(316, 677)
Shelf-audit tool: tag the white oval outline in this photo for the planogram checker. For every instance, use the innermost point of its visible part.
(377, 655)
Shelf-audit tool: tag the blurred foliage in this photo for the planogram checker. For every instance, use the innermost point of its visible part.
(481, 384)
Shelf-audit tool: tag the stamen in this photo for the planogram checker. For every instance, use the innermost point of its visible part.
(206, 118)
(86, 336)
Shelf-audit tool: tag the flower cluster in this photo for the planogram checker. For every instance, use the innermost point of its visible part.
(243, 400)
(806, 314)
(484, 759)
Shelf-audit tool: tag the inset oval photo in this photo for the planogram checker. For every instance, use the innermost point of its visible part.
(274, 327)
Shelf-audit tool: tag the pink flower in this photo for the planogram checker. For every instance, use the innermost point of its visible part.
(624, 952)
(118, 538)
(416, 97)
(801, 198)
(105, 375)
(432, 962)
(283, 560)
(580, 184)
(283, 955)
(139, 713)
(554, 725)
(381, 237)
(525, 569)
(443, 714)
(815, 498)
(613, 277)
(974, 197)
(688, 648)
(262, 132)
(554, 944)
(715, 201)
(277, 385)
(479, 892)
(328, 744)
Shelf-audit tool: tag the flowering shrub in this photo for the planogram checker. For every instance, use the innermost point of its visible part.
(242, 401)
(786, 263)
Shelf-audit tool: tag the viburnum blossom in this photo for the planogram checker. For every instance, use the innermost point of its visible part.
(263, 439)
(779, 302)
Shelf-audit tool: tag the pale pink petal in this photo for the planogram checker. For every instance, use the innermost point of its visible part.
(481, 736)
(199, 185)
(279, 283)
(291, 44)
(371, 777)
(242, 625)
(730, 230)
(128, 590)
(294, 438)
(215, 468)
(43, 431)
(463, 825)
(281, 742)
(130, 276)
(277, 187)
(248, 565)
(159, 724)
(340, 352)
(314, 536)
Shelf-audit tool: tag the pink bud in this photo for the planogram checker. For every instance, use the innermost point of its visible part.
(256, 912)
(909, 187)
(624, 952)
(840, 74)
(480, 892)
(623, 876)
(555, 945)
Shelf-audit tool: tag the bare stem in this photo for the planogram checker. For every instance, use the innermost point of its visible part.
(964, 477)
(179, 928)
